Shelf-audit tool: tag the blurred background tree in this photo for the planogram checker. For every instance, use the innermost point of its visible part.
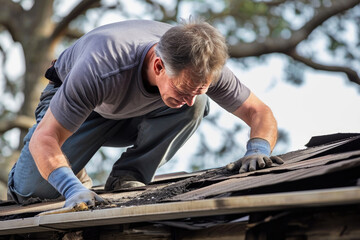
(38, 30)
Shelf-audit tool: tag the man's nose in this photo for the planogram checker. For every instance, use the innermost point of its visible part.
(190, 100)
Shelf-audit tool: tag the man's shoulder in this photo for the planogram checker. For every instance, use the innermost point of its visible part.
(133, 25)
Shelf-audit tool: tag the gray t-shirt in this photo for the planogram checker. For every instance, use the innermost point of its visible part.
(101, 72)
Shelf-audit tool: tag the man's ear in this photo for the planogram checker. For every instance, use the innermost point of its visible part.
(158, 65)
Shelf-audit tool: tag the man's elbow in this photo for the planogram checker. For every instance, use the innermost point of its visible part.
(269, 113)
(33, 142)
(262, 113)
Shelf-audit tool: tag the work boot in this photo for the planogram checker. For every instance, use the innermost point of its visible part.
(123, 182)
(84, 178)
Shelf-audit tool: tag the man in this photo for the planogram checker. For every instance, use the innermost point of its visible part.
(133, 83)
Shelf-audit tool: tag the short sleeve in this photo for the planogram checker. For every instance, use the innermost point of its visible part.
(229, 92)
(77, 97)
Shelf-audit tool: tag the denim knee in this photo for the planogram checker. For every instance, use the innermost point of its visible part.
(24, 178)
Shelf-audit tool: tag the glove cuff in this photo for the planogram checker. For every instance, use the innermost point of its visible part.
(65, 181)
(258, 146)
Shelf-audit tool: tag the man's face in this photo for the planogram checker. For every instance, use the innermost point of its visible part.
(178, 91)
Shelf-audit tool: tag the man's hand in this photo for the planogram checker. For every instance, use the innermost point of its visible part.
(249, 163)
(64, 180)
(257, 154)
(85, 196)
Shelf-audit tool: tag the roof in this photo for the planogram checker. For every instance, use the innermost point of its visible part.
(324, 174)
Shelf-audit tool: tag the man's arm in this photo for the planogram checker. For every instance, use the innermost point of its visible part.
(45, 147)
(263, 136)
(259, 118)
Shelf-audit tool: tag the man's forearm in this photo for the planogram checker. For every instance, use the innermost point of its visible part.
(45, 145)
(47, 155)
(259, 117)
(264, 125)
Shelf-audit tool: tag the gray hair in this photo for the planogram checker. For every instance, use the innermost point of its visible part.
(196, 46)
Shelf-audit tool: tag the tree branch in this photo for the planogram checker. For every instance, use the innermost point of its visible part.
(78, 10)
(165, 12)
(351, 74)
(10, 13)
(38, 17)
(22, 122)
(272, 3)
(282, 45)
(73, 33)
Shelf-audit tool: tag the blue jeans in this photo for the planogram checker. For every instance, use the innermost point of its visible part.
(153, 139)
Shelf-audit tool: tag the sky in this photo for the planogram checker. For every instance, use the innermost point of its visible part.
(326, 103)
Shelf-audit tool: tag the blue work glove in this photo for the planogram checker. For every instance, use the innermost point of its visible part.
(65, 181)
(257, 154)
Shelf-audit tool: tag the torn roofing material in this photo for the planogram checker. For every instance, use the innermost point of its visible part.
(317, 165)
(324, 175)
